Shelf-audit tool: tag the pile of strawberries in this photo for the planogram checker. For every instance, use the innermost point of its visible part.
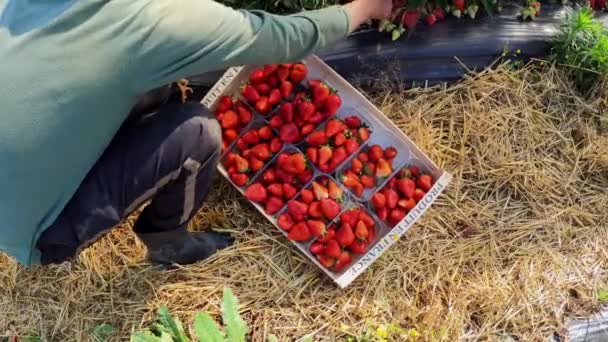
(298, 118)
(233, 116)
(251, 152)
(401, 194)
(280, 182)
(352, 233)
(272, 84)
(306, 217)
(330, 146)
(369, 168)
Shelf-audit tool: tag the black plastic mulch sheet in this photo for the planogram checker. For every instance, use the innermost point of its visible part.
(441, 53)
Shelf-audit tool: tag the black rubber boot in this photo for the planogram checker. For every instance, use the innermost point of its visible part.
(182, 247)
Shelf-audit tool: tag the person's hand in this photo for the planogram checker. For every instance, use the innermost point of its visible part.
(361, 11)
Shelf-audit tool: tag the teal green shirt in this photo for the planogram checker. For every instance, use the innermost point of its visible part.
(70, 70)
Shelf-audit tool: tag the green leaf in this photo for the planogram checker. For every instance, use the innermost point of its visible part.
(272, 338)
(145, 336)
(102, 332)
(172, 326)
(236, 329)
(307, 339)
(602, 295)
(206, 329)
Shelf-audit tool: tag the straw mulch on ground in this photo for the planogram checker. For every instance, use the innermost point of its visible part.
(516, 246)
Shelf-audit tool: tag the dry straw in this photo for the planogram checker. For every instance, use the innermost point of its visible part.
(517, 245)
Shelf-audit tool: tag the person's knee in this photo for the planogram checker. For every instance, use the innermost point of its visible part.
(209, 131)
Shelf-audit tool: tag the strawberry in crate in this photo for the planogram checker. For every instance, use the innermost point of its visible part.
(251, 153)
(280, 182)
(272, 84)
(401, 194)
(328, 147)
(369, 168)
(233, 116)
(352, 233)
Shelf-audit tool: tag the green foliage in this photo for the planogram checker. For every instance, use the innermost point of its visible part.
(170, 329)
(581, 45)
(102, 332)
(602, 295)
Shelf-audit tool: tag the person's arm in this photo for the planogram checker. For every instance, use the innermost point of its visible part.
(181, 38)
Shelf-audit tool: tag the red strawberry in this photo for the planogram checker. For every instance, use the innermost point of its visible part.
(338, 156)
(262, 105)
(245, 115)
(251, 137)
(285, 222)
(358, 189)
(363, 133)
(230, 135)
(261, 151)
(276, 122)
(257, 76)
(335, 191)
(317, 138)
(339, 139)
(391, 198)
(230, 159)
(320, 91)
(286, 89)
(333, 127)
(299, 232)
(353, 122)
(314, 210)
(430, 19)
(250, 94)
(299, 162)
(328, 235)
(378, 200)
(409, 19)
(270, 69)
(289, 133)
(326, 261)
(390, 153)
(285, 177)
(276, 189)
(305, 176)
(269, 176)
(275, 145)
(344, 259)
(239, 179)
(419, 195)
(306, 109)
(369, 169)
(358, 247)
(363, 157)
(320, 191)
(350, 217)
(265, 132)
(306, 129)
(297, 209)
(325, 154)
(345, 235)
(316, 118)
(289, 191)
(283, 74)
(460, 5)
(242, 165)
(331, 105)
(316, 227)
(275, 97)
(312, 155)
(351, 145)
(256, 193)
(307, 196)
(383, 168)
(361, 231)
(439, 13)
(382, 213)
(406, 186)
(262, 88)
(395, 216)
(333, 249)
(330, 208)
(317, 248)
(367, 220)
(273, 81)
(273, 205)
(356, 166)
(414, 171)
(286, 111)
(375, 152)
(230, 119)
(425, 182)
(368, 181)
(298, 73)
(255, 164)
(407, 204)
(224, 103)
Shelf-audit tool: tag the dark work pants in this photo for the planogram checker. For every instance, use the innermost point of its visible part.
(166, 153)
